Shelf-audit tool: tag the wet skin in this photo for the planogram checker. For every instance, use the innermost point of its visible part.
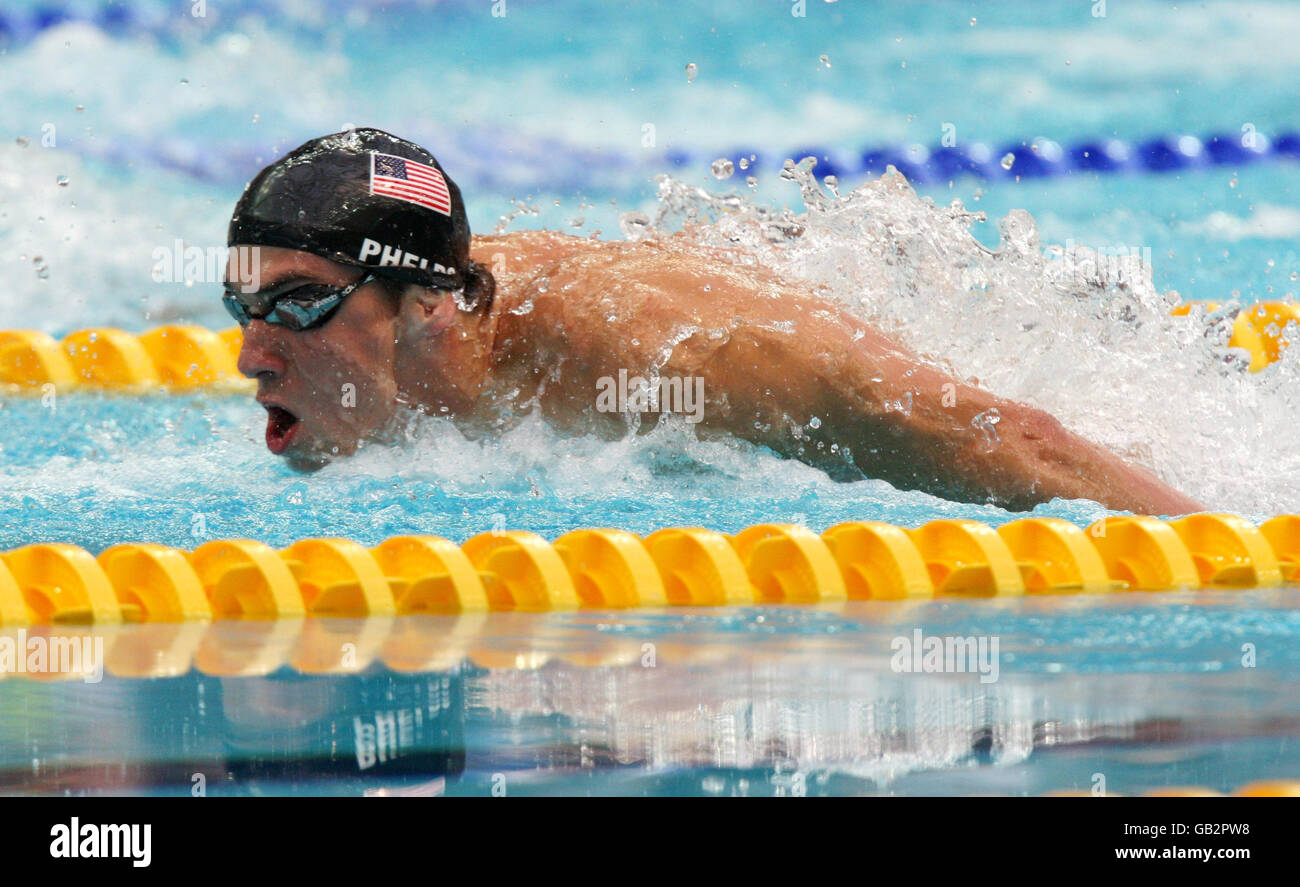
(772, 355)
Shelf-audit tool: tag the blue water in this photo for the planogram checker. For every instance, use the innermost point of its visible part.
(1147, 691)
(157, 125)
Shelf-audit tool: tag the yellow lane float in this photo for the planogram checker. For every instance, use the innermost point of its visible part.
(608, 569)
(879, 561)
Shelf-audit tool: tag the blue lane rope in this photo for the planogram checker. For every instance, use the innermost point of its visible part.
(162, 18)
(1038, 158)
(236, 163)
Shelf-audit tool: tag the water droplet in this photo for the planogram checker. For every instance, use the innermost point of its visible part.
(81, 107)
(635, 225)
(1009, 160)
(902, 405)
(972, 21)
(744, 163)
(722, 168)
(185, 81)
(814, 422)
(22, 141)
(751, 181)
(63, 181)
(691, 71)
(832, 184)
(1232, 183)
(825, 60)
(257, 117)
(986, 423)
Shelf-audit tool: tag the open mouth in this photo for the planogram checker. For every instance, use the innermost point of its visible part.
(281, 428)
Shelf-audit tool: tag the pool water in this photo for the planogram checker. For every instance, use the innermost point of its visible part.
(1148, 690)
(157, 126)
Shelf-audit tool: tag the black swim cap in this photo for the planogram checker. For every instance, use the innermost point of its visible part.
(362, 197)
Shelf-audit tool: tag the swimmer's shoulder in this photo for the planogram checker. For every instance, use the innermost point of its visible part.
(530, 252)
(526, 252)
(569, 280)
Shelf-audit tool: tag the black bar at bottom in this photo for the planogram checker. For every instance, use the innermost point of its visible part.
(305, 836)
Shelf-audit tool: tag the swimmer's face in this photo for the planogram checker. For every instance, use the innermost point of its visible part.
(324, 389)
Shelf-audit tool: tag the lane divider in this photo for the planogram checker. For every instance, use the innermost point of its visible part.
(173, 21)
(1260, 328)
(486, 157)
(184, 357)
(1033, 158)
(607, 569)
(177, 357)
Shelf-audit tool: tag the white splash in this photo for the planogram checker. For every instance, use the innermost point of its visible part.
(1086, 337)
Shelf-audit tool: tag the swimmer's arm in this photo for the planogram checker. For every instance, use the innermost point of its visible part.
(909, 423)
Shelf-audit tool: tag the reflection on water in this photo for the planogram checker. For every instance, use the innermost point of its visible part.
(1145, 690)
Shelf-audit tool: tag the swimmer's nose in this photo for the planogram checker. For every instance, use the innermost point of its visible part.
(259, 356)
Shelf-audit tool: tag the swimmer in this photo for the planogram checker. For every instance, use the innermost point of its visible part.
(368, 298)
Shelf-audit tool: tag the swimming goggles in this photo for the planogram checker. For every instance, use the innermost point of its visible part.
(301, 308)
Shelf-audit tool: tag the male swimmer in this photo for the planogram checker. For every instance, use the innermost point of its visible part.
(368, 299)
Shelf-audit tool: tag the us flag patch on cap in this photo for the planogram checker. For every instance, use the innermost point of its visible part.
(392, 176)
